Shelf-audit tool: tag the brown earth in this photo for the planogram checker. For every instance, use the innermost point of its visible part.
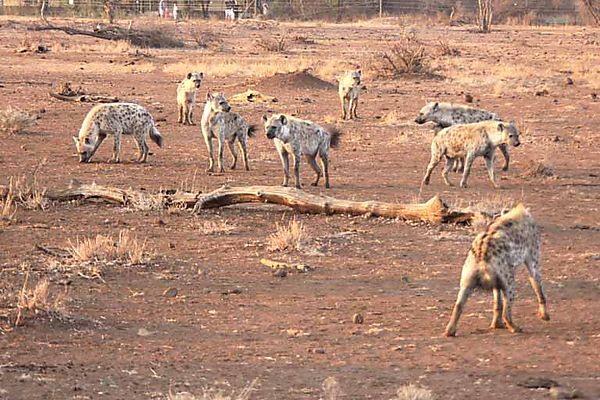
(229, 322)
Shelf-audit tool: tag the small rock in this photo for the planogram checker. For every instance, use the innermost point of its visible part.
(358, 318)
(562, 393)
(160, 222)
(468, 98)
(594, 96)
(569, 81)
(170, 292)
(25, 377)
(537, 383)
(316, 351)
(143, 332)
(171, 245)
(543, 92)
(556, 139)
(280, 273)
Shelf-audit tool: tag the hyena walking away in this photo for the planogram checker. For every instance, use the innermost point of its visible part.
(116, 119)
(186, 97)
(470, 141)
(448, 114)
(349, 89)
(297, 137)
(218, 121)
(495, 255)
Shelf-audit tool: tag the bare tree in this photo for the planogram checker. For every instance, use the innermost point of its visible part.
(592, 10)
(484, 15)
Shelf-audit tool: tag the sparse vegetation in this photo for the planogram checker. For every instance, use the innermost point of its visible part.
(216, 228)
(13, 121)
(216, 394)
(287, 237)
(406, 56)
(276, 44)
(126, 248)
(413, 392)
(539, 169)
(37, 299)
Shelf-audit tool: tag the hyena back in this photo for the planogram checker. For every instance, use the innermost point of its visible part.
(469, 141)
(297, 137)
(116, 119)
(218, 121)
(349, 90)
(186, 97)
(448, 114)
(495, 254)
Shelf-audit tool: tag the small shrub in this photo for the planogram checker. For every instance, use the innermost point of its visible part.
(445, 49)
(277, 44)
(37, 299)
(127, 248)
(13, 121)
(287, 237)
(216, 394)
(9, 207)
(539, 169)
(407, 56)
(413, 392)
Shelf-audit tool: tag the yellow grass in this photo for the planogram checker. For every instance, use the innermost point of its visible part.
(125, 248)
(287, 237)
(13, 121)
(36, 299)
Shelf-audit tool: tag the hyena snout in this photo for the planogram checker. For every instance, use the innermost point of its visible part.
(271, 134)
(197, 84)
(420, 120)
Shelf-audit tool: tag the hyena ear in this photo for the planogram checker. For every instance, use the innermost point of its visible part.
(283, 119)
(201, 74)
(436, 106)
(208, 95)
(500, 127)
(264, 118)
(75, 141)
(189, 75)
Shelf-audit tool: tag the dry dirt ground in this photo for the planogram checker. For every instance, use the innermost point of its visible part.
(233, 322)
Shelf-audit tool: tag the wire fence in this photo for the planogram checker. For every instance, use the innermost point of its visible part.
(540, 12)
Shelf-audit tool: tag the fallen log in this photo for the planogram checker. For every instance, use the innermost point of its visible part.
(433, 211)
(85, 98)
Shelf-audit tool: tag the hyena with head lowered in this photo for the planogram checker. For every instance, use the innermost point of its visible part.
(469, 141)
(297, 137)
(186, 97)
(448, 114)
(116, 119)
(218, 121)
(350, 87)
(511, 240)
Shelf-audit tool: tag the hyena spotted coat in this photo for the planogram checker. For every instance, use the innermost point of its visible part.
(186, 97)
(218, 121)
(448, 114)
(469, 141)
(297, 137)
(350, 87)
(116, 119)
(509, 241)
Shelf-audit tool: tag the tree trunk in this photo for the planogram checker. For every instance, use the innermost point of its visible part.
(433, 211)
(484, 15)
(592, 10)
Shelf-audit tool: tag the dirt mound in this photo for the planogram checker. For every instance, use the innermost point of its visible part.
(295, 80)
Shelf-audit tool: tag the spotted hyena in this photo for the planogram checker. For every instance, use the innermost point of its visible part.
(448, 114)
(186, 97)
(511, 240)
(218, 121)
(297, 137)
(116, 119)
(469, 141)
(349, 89)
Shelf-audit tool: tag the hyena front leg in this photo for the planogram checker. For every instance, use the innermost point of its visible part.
(449, 163)
(221, 159)
(312, 161)
(233, 150)
(101, 137)
(285, 162)
(190, 113)
(180, 114)
(353, 107)
(504, 150)
(116, 156)
(343, 103)
(489, 164)
(297, 157)
(436, 157)
(209, 147)
(468, 164)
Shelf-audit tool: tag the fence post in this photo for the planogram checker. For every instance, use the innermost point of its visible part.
(380, 8)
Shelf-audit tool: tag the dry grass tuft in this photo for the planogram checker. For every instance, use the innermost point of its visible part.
(539, 169)
(413, 392)
(216, 228)
(288, 237)
(8, 204)
(489, 208)
(13, 121)
(148, 202)
(445, 49)
(276, 44)
(36, 300)
(331, 388)
(126, 248)
(216, 394)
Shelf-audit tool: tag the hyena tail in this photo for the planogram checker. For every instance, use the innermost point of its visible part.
(334, 137)
(252, 130)
(156, 137)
